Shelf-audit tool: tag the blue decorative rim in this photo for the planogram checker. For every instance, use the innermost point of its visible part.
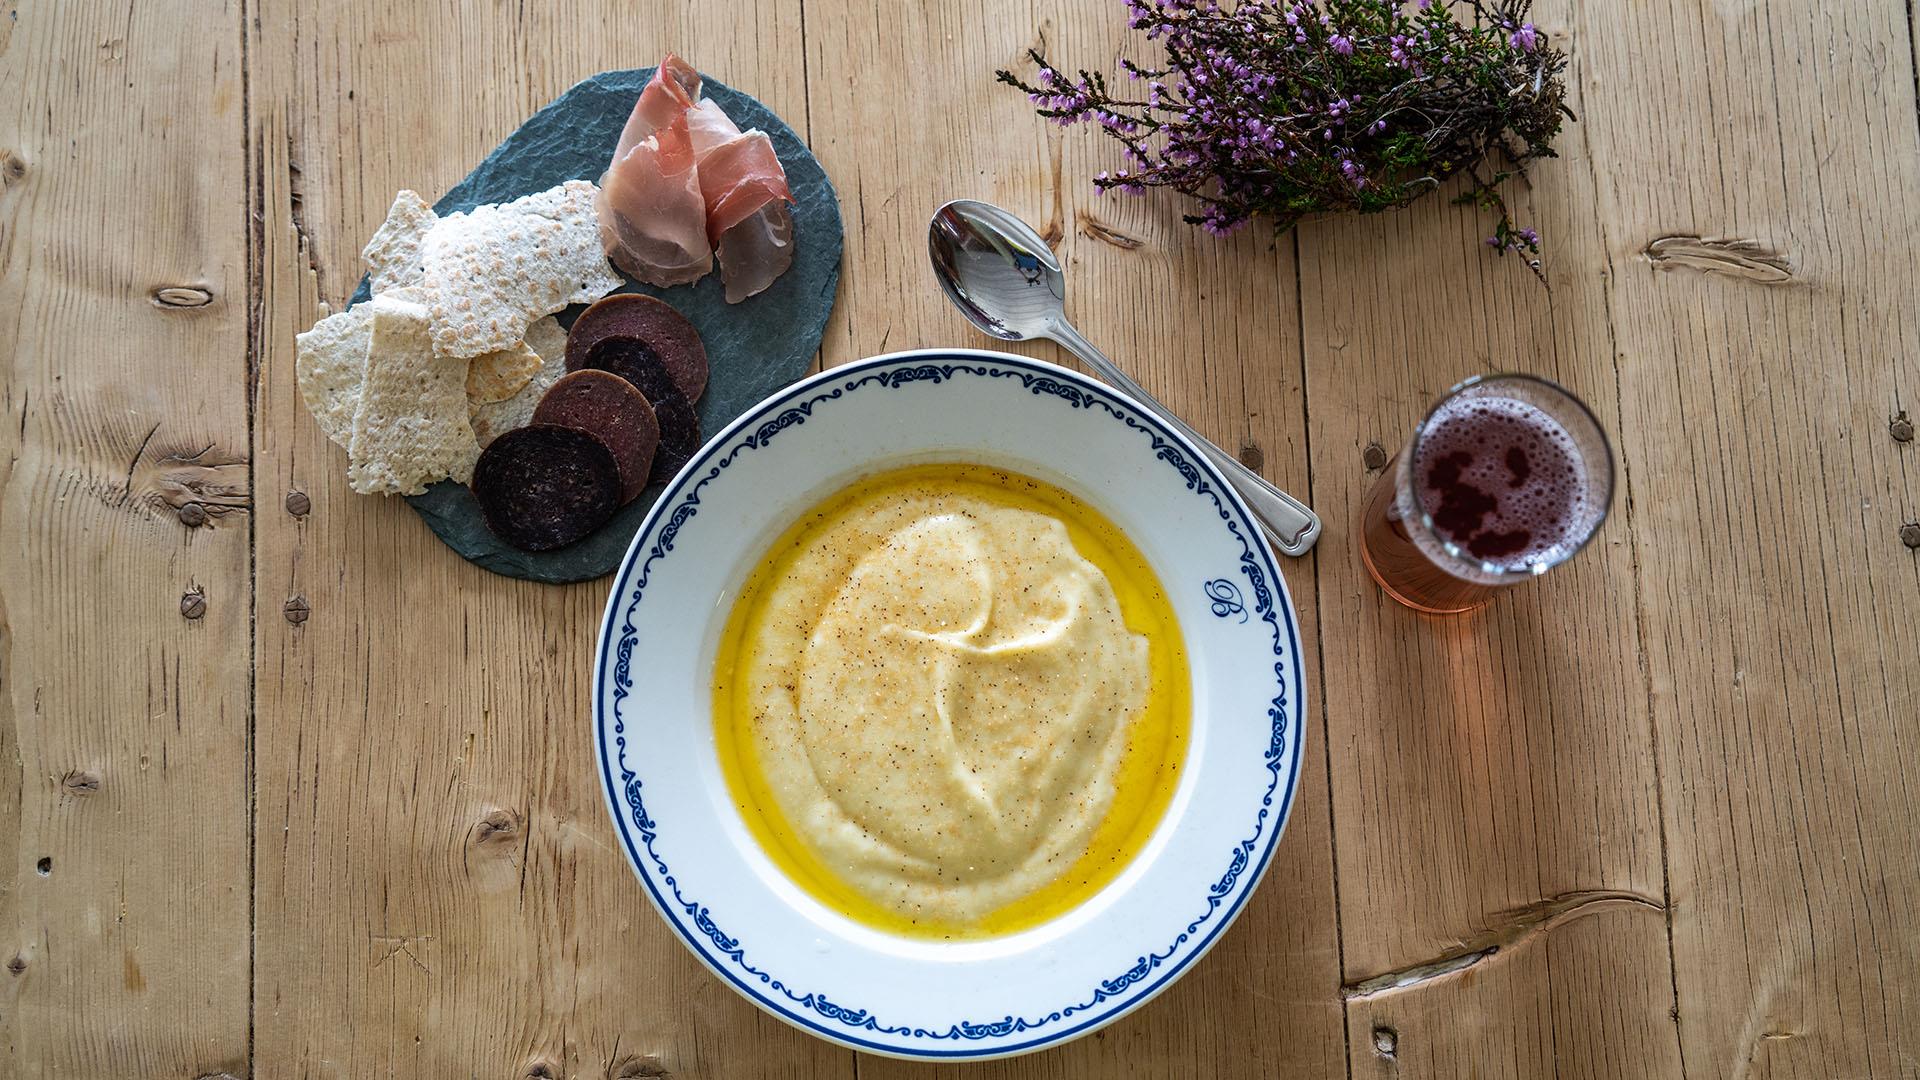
(724, 953)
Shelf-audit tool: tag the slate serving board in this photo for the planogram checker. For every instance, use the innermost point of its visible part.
(754, 347)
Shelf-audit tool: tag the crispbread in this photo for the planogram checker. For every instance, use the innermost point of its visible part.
(393, 255)
(546, 338)
(411, 428)
(496, 268)
(330, 361)
(498, 375)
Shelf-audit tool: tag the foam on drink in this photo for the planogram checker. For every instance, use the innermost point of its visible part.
(1503, 482)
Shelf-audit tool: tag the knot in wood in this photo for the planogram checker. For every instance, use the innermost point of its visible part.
(540, 1070)
(497, 827)
(1386, 1041)
(640, 1069)
(193, 603)
(296, 610)
(17, 965)
(298, 504)
(12, 169)
(80, 782)
(181, 296)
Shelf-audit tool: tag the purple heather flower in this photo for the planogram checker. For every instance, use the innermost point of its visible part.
(1524, 38)
(1530, 236)
(1342, 44)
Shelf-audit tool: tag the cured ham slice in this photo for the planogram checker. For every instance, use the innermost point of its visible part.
(756, 251)
(686, 181)
(674, 88)
(653, 216)
(746, 193)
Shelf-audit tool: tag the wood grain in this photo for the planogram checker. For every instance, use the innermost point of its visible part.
(440, 889)
(1208, 327)
(123, 722)
(1776, 597)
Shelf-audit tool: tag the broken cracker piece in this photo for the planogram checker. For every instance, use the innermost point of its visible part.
(411, 428)
(498, 375)
(330, 363)
(393, 254)
(496, 268)
(490, 420)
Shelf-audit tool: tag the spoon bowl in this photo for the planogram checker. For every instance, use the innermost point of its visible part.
(997, 271)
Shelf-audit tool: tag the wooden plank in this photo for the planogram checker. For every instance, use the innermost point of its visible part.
(123, 723)
(1490, 766)
(440, 889)
(1759, 369)
(1207, 326)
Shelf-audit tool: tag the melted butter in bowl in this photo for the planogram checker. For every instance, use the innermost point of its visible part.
(952, 701)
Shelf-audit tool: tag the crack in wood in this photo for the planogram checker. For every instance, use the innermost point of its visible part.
(1517, 928)
(1056, 229)
(134, 461)
(1095, 229)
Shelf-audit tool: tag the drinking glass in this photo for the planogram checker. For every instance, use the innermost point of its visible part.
(1505, 479)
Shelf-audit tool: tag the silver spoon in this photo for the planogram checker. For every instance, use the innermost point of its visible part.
(1005, 280)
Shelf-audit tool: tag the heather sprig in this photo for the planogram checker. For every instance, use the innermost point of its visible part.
(1286, 108)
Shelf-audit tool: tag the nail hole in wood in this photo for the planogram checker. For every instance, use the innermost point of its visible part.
(181, 296)
(45, 865)
(1900, 427)
(1252, 456)
(1386, 1041)
(16, 965)
(1910, 534)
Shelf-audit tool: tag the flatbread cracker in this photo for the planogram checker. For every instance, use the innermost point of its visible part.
(496, 268)
(491, 419)
(498, 375)
(393, 255)
(330, 362)
(411, 428)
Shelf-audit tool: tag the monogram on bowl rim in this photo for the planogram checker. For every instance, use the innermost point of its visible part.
(1108, 998)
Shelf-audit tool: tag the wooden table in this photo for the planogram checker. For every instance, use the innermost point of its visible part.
(286, 789)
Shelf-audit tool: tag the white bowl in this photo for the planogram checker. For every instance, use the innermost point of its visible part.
(819, 970)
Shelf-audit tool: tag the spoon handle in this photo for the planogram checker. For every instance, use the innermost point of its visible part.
(1290, 524)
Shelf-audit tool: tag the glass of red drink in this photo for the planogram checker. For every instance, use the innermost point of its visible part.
(1506, 478)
